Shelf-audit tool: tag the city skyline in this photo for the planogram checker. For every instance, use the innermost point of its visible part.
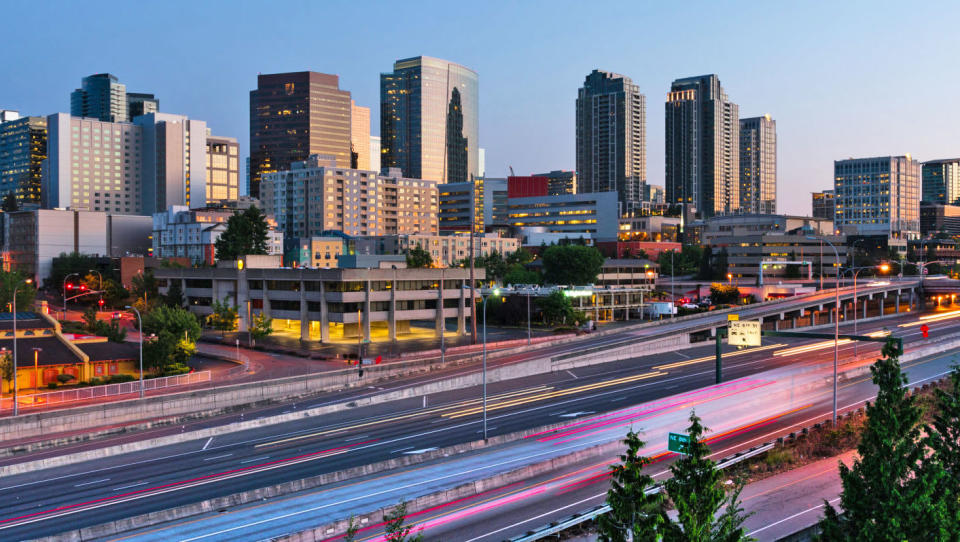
(806, 81)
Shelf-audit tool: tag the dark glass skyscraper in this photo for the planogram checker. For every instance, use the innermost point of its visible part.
(23, 147)
(702, 146)
(758, 165)
(101, 96)
(429, 119)
(941, 181)
(612, 138)
(294, 115)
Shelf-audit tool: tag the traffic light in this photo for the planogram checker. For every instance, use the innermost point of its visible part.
(83, 287)
(100, 302)
(69, 286)
(925, 331)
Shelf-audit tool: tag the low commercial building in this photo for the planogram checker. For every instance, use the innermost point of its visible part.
(592, 213)
(328, 304)
(746, 253)
(650, 228)
(738, 225)
(939, 218)
(32, 239)
(319, 252)
(181, 232)
(824, 204)
(632, 249)
(445, 250)
(457, 202)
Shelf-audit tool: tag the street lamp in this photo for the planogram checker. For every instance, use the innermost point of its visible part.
(16, 408)
(836, 319)
(101, 282)
(140, 327)
(495, 291)
(36, 367)
(856, 272)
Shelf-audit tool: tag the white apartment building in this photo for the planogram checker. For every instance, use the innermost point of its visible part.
(182, 232)
(445, 250)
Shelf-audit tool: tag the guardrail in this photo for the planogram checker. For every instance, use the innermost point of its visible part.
(108, 390)
(597, 511)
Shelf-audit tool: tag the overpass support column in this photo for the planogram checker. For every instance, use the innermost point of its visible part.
(366, 312)
(324, 317)
(461, 308)
(898, 303)
(441, 318)
(304, 315)
(392, 314)
(881, 300)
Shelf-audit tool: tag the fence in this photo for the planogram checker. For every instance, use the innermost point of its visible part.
(94, 392)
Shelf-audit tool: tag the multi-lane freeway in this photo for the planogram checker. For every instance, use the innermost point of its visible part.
(43, 502)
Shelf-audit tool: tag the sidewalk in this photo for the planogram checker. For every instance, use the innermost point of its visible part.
(789, 502)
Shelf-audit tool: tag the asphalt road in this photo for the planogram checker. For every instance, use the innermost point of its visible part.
(45, 502)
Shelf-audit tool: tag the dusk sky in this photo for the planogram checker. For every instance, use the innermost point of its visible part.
(842, 79)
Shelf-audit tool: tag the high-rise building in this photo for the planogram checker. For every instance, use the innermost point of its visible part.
(941, 181)
(702, 146)
(429, 120)
(23, 147)
(458, 201)
(295, 115)
(174, 161)
(6, 115)
(561, 182)
(824, 204)
(223, 171)
(92, 165)
(494, 202)
(359, 137)
(101, 96)
(482, 157)
(758, 165)
(318, 195)
(140, 104)
(878, 196)
(375, 153)
(612, 138)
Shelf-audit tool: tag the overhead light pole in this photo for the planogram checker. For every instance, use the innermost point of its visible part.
(140, 326)
(495, 291)
(836, 318)
(65, 293)
(16, 408)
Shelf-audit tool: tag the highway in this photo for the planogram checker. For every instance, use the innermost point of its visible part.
(44, 502)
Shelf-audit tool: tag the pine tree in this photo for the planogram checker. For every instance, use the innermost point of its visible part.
(634, 514)
(698, 495)
(396, 529)
(944, 441)
(886, 496)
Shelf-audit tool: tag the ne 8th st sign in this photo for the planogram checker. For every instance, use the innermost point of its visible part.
(744, 332)
(677, 442)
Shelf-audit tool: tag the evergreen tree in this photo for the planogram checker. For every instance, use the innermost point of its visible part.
(886, 496)
(634, 514)
(224, 316)
(350, 535)
(944, 441)
(572, 265)
(396, 529)
(418, 257)
(698, 495)
(246, 233)
(174, 296)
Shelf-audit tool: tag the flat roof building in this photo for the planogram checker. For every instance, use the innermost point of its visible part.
(23, 148)
(758, 165)
(878, 196)
(589, 213)
(824, 204)
(940, 181)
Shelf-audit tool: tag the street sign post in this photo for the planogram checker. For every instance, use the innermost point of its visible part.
(744, 333)
(677, 442)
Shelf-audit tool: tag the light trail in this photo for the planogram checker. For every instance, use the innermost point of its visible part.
(810, 347)
(933, 318)
(712, 358)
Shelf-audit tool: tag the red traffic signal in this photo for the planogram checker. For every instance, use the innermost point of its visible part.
(69, 286)
(925, 330)
(100, 302)
(83, 287)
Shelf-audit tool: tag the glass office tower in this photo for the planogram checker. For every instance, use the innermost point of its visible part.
(23, 147)
(429, 119)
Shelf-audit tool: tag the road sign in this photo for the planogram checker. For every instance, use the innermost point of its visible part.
(677, 442)
(744, 333)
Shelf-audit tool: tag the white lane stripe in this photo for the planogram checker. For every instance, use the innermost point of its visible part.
(216, 457)
(252, 459)
(528, 520)
(91, 483)
(798, 514)
(129, 486)
(209, 440)
(402, 449)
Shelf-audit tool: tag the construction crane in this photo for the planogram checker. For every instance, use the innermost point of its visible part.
(512, 174)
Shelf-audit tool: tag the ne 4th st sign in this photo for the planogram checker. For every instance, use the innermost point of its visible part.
(744, 333)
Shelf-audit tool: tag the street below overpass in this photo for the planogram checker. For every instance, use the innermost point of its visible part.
(44, 502)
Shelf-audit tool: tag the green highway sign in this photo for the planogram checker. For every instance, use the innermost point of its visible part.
(677, 442)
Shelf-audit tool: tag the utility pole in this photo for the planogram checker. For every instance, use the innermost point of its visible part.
(473, 283)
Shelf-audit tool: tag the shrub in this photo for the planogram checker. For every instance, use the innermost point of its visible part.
(95, 381)
(778, 457)
(118, 378)
(52, 385)
(64, 378)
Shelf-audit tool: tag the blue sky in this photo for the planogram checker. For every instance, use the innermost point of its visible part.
(842, 79)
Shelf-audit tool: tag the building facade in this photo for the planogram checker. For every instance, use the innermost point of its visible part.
(702, 146)
(940, 181)
(223, 169)
(93, 165)
(744, 225)
(295, 115)
(101, 96)
(317, 195)
(32, 239)
(429, 120)
(878, 196)
(586, 213)
(375, 153)
(938, 218)
(612, 138)
(174, 170)
(494, 202)
(333, 304)
(758, 165)
(359, 137)
(139, 103)
(458, 202)
(745, 254)
(824, 204)
(23, 148)
(445, 250)
(561, 182)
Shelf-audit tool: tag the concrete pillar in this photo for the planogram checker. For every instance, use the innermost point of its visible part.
(324, 317)
(776, 324)
(266, 301)
(392, 315)
(881, 300)
(898, 302)
(243, 301)
(366, 312)
(845, 315)
(865, 303)
(461, 310)
(304, 315)
(441, 318)
(214, 290)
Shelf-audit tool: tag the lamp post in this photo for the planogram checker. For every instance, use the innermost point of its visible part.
(36, 367)
(528, 319)
(836, 319)
(140, 327)
(496, 291)
(101, 282)
(3, 353)
(16, 408)
(673, 309)
(65, 293)
(856, 272)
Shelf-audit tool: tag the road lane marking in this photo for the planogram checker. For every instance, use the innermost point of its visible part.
(128, 487)
(677, 364)
(252, 459)
(571, 374)
(91, 483)
(216, 457)
(209, 440)
(798, 514)
(420, 451)
(402, 449)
